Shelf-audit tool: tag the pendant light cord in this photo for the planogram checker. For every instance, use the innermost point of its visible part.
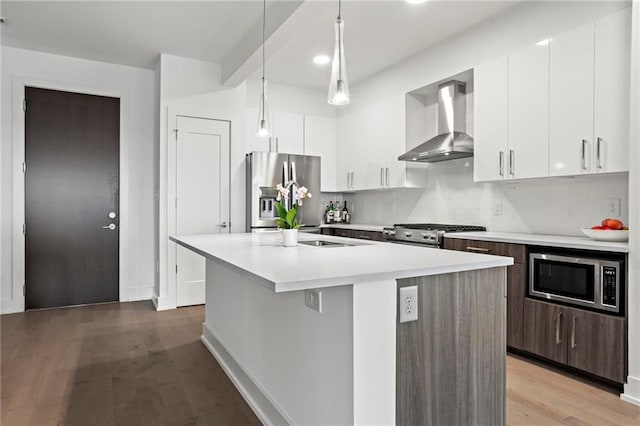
(264, 24)
(339, 9)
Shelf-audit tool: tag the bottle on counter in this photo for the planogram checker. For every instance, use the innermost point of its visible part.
(329, 215)
(346, 217)
(337, 214)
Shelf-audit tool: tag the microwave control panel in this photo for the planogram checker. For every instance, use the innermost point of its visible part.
(609, 286)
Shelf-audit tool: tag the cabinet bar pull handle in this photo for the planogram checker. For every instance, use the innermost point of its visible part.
(270, 149)
(598, 156)
(512, 160)
(277, 143)
(501, 162)
(573, 332)
(381, 176)
(478, 249)
(558, 340)
(584, 154)
(387, 176)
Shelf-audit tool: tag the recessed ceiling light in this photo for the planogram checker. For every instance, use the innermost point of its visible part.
(321, 59)
(543, 42)
(416, 1)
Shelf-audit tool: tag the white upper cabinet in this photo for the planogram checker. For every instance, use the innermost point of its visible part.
(611, 97)
(373, 144)
(351, 163)
(590, 97)
(287, 132)
(571, 102)
(528, 112)
(490, 112)
(567, 105)
(320, 139)
(396, 141)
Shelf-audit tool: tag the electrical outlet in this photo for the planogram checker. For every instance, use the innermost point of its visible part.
(613, 207)
(497, 208)
(408, 303)
(313, 299)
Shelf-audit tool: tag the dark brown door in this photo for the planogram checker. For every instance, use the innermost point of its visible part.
(545, 331)
(597, 344)
(71, 187)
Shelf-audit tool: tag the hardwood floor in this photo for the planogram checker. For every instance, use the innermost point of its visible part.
(121, 363)
(125, 363)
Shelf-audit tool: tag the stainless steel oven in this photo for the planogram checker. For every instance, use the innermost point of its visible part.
(573, 279)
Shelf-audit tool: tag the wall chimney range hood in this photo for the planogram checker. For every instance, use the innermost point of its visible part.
(452, 141)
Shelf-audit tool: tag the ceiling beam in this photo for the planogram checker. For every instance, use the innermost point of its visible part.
(246, 58)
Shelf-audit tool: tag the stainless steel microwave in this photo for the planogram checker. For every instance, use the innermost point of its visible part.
(582, 281)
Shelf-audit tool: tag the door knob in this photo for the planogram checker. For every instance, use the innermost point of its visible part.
(222, 225)
(111, 226)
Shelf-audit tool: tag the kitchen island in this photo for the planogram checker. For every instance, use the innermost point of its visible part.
(355, 362)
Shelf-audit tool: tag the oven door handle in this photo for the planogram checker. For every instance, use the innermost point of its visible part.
(558, 323)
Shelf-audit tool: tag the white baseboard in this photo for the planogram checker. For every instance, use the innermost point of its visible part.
(7, 306)
(632, 390)
(261, 404)
(161, 303)
(140, 293)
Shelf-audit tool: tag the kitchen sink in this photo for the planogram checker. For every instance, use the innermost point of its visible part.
(323, 243)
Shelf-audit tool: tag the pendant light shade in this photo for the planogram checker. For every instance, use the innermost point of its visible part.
(263, 113)
(339, 86)
(264, 130)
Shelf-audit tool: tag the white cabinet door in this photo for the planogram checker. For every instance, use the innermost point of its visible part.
(288, 132)
(528, 109)
(571, 102)
(320, 139)
(372, 144)
(396, 141)
(490, 120)
(346, 150)
(253, 142)
(611, 98)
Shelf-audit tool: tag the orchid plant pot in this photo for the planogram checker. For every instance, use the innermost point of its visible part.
(289, 237)
(287, 219)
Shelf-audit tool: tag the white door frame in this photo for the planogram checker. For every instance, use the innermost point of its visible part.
(171, 258)
(18, 198)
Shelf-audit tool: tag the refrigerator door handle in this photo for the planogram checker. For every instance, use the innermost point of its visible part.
(293, 172)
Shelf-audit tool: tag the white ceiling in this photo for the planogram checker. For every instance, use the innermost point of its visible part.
(378, 33)
(130, 32)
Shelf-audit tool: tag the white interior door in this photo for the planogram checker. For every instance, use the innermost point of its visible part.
(202, 196)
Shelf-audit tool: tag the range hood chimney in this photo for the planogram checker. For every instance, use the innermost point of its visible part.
(452, 141)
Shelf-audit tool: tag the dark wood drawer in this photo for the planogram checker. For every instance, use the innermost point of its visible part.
(517, 251)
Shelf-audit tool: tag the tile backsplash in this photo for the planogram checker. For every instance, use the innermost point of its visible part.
(545, 206)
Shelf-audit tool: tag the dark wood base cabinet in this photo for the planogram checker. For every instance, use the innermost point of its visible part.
(516, 280)
(353, 233)
(588, 341)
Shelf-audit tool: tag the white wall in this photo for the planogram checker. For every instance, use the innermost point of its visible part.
(632, 389)
(194, 88)
(547, 206)
(137, 88)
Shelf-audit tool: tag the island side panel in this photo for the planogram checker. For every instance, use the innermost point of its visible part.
(451, 361)
(374, 352)
(301, 361)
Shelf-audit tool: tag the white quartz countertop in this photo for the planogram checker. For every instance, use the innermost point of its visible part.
(282, 269)
(563, 241)
(356, 226)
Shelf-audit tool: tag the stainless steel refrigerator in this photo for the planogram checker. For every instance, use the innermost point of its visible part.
(267, 169)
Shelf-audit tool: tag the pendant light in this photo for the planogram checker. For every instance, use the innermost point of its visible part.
(263, 110)
(338, 86)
